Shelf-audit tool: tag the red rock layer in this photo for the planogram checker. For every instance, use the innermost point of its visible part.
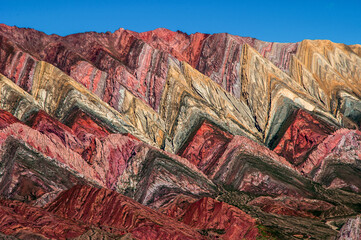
(49, 144)
(336, 161)
(301, 137)
(247, 166)
(117, 151)
(38, 162)
(110, 210)
(291, 206)
(19, 218)
(81, 138)
(237, 161)
(56, 131)
(7, 119)
(182, 46)
(343, 143)
(85, 128)
(219, 55)
(115, 161)
(106, 63)
(208, 213)
(214, 217)
(206, 146)
(16, 64)
(177, 206)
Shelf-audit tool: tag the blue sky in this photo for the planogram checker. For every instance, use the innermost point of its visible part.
(280, 21)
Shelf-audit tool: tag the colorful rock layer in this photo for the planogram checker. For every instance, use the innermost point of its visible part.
(164, 135)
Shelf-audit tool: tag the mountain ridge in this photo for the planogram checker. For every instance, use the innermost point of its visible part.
(214, 127)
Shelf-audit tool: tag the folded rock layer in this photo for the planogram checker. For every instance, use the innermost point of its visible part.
(165, 135)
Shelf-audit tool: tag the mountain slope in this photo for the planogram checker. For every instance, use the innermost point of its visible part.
(212, 136)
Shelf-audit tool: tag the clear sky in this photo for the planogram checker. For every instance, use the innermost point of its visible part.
(280, 21)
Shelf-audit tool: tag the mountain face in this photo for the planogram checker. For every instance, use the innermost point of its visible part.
(164, 135)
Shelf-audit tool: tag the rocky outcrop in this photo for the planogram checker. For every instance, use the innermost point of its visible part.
(27, 174)
(351, 229)
(109, 210)
(206, 146)
(292, 206)
(248, 166)
(174, 122)
(116, 161)
(336, 161)
(26, 222)
(229, 222)
(6, 119)
(212, 218)
(56, 131)
(303, 135)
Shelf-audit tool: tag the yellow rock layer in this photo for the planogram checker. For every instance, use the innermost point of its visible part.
(334, 66)
(15, 100)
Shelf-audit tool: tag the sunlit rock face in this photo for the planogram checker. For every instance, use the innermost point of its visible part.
(206, 146)
(93, 207)
(290, 206)
(165, 135)
(350, 230)
(302, 136)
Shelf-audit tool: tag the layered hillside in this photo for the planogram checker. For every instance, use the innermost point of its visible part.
(164, 135)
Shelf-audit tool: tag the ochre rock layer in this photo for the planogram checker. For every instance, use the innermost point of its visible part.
(165, 135)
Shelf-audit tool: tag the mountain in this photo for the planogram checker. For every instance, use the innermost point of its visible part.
(165, 135)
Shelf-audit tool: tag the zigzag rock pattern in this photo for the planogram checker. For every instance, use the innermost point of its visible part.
(165, 135)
